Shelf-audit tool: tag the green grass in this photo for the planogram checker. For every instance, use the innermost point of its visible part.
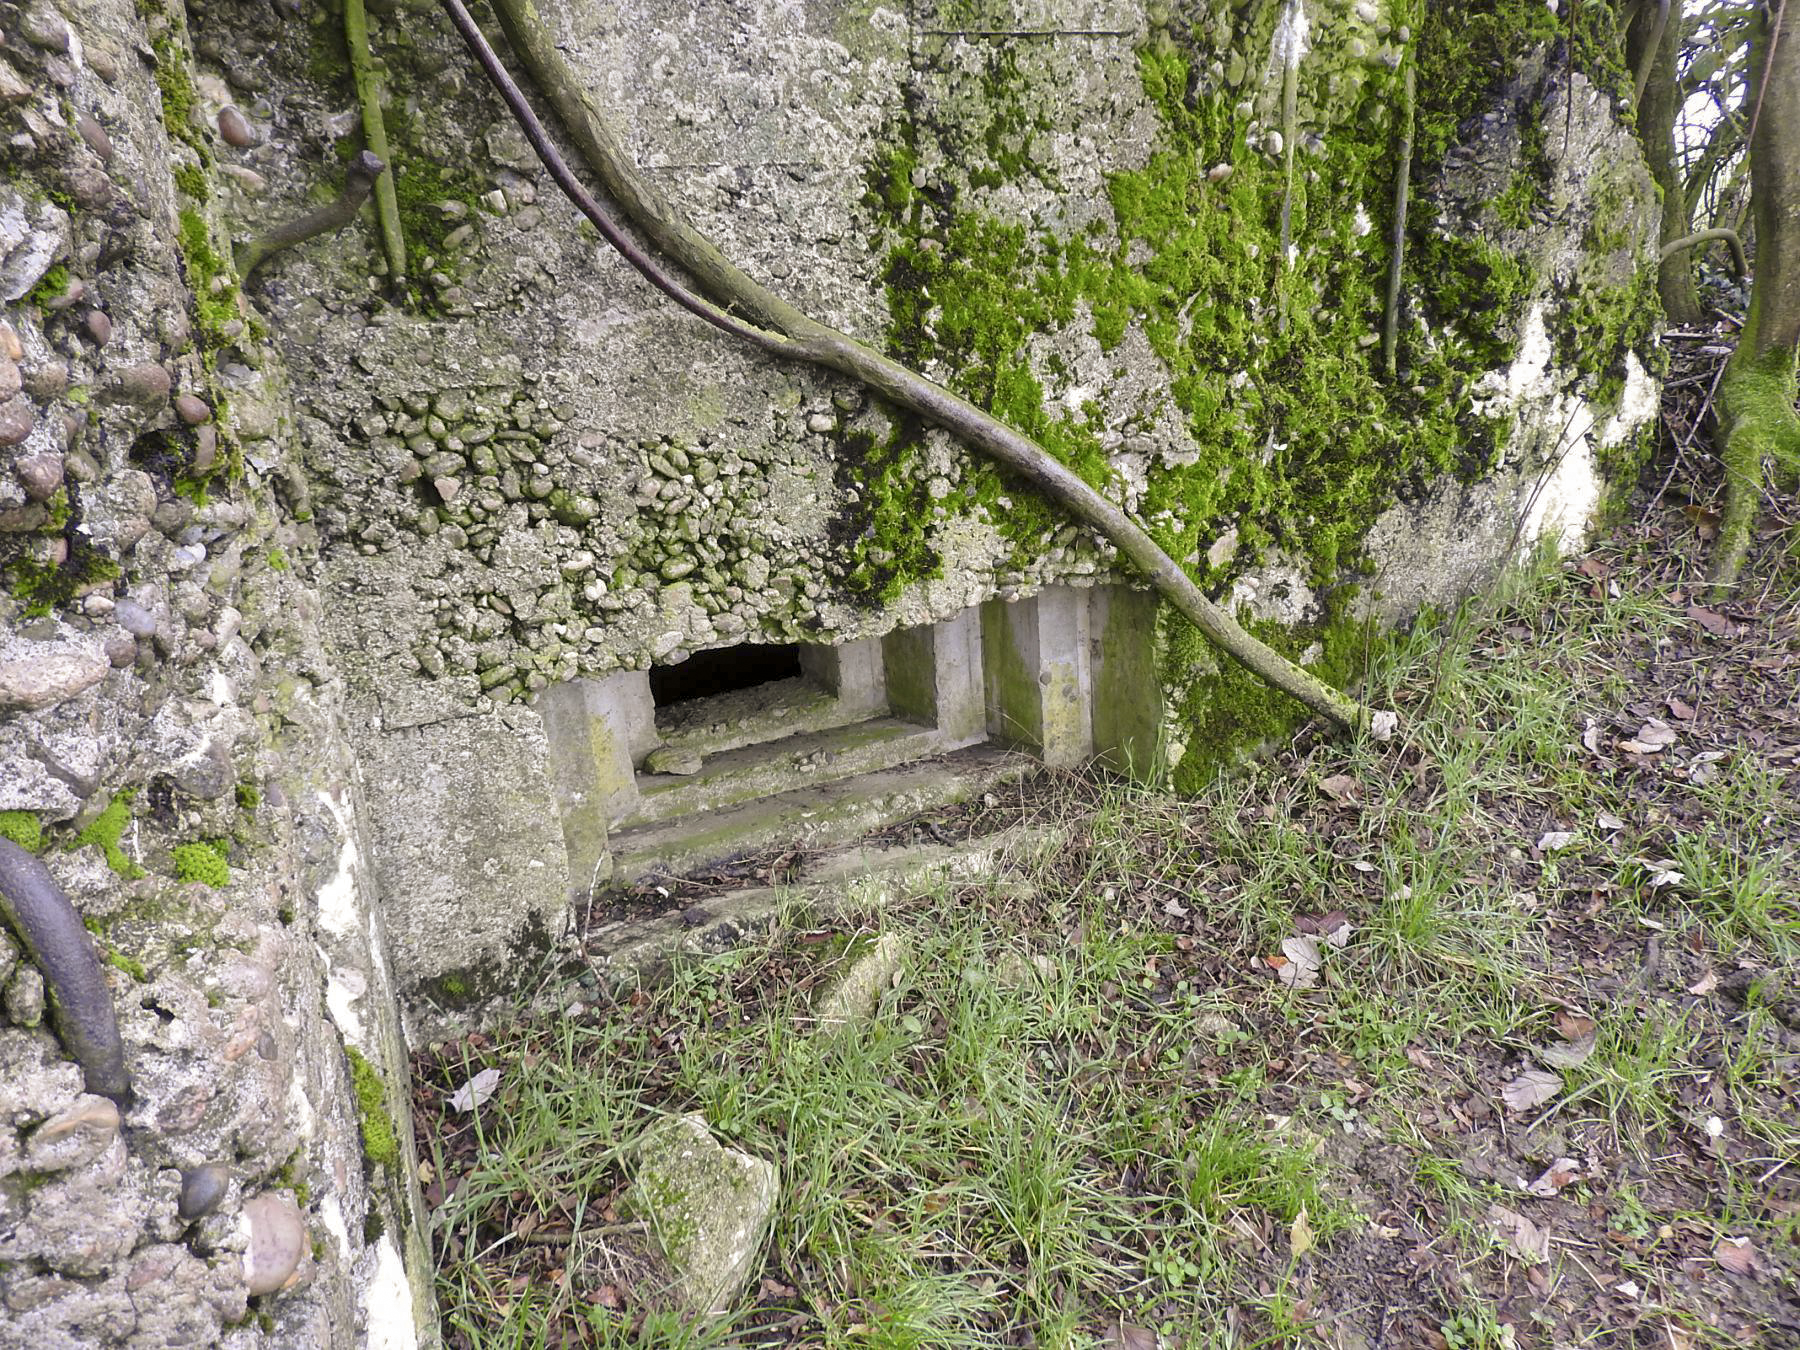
(1078, 1109)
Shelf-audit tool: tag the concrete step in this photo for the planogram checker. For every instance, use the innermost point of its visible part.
(768, 712)
(771, 767)
(856, 877)
(822, 815)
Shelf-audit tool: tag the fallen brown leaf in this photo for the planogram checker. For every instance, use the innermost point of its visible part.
(1563, 1172)
(1570, 1054)
(1572, 1026)
(1711, 620)
(1300, 1235)
(1342, 789)
(1736, 1255)
(1531, 1088)
(1523, 1237)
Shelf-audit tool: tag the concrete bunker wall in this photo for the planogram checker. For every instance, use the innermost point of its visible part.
(507, 822)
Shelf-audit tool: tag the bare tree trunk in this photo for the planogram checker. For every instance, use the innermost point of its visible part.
(1651, 42)
(1757, 421)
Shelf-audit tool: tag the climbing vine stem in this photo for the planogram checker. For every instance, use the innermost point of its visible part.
(734, 303)
(1390, 329)
(368, 97)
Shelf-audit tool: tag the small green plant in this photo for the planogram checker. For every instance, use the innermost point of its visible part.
(1474, 1327)
(203, 861)
(1176, 1270)
(23, 829)
(106, 830)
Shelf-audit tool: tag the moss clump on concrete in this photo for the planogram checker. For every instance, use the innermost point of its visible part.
(191, 180)
(23, 829)
(49, 286)
(888, 536)
(105, 831)
(130, 965)
(203, 861)
(381, 1145)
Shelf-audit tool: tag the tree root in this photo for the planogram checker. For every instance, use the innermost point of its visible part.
(731, 301)
(362, 175)
(368, 97)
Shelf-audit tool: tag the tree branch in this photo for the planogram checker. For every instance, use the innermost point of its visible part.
(359, 178)
(1675, 246)
(733, 302)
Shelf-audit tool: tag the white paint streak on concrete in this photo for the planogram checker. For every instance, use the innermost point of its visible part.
(331, 1214)
(388, 1301)
(337, 897)
(342, 991)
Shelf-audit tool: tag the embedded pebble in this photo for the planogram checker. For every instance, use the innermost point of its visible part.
(134, 618)
(36, 675)
(672, 759)
(11, 381)
(16, 420)
(95, 136)
(234, 128)
(24, 997)
(40, 476)
(191, 409)
(144, 384)
(98, 326)
(277, 1241)
(202, 1188)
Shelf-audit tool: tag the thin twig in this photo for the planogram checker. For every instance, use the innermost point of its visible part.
(361, 176)
(1390, 333)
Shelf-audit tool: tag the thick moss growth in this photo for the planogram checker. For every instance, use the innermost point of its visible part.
(381, 1145)
(1296, 439)
(203, 861)
(23, 829)
(105, 831)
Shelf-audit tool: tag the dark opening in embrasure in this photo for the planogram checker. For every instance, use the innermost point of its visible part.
(722, 670)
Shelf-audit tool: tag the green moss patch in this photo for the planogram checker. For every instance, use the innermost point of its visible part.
(23, 829)
(106, 830)
(380, 1144)
(203, 861)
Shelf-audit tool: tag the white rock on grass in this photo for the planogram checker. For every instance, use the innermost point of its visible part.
(854, 995)
(708, 1208)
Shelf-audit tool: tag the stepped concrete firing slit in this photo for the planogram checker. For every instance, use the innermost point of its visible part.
(659, 770)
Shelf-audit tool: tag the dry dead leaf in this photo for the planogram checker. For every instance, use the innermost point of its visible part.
(1553, 840)
(1525, 1239)
(1300, 1235)
(1531, 1088)
(1652, 738)
(1384, 724)
(1126, 1336)
(1573, 1026)
(1679, 710)
(1342, 789)
(1570, 1054)
(1704, 985)
(1606, 821)
(1711, 620)
(1590, 736)
(1300, 968)
(476, 1091)
(1736, 1255)
(1563, 1172)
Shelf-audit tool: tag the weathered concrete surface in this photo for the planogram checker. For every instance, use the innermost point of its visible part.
(329, 543)
(708, 1207)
